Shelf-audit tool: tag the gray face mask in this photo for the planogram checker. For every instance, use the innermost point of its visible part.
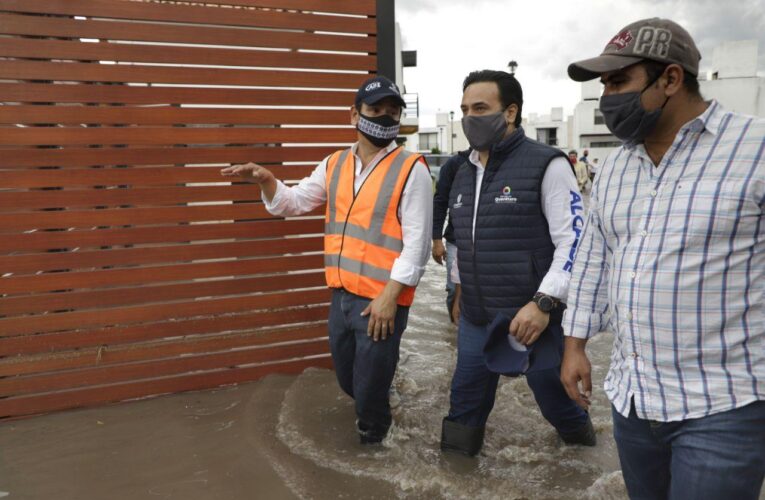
(483, 131)
(626, 117)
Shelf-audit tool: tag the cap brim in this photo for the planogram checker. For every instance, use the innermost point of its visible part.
(588, 69)
(379, 97)
(499, 357)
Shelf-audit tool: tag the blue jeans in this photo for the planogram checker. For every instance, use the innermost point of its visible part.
(720, 456)
(474, 386)
(364, 368)
(451, 288)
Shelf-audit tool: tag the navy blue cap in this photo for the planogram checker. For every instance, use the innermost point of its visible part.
(376, 89)
(504, 355)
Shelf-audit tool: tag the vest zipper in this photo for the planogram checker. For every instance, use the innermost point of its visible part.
(477, 206)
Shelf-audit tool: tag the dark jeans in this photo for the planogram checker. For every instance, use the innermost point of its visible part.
(720, 456)
(364, 368)
(474, 386)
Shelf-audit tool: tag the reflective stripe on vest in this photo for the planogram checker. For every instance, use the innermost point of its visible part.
(357, 267)
(362, 231)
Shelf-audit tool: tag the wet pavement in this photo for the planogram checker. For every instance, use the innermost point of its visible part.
(293, 437)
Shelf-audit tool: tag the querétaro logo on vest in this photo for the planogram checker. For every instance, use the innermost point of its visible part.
(506, 196)
(459, 201)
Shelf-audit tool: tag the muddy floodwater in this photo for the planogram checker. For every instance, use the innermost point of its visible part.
(292, 437)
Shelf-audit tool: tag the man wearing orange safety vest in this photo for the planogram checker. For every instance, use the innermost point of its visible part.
(378, 224)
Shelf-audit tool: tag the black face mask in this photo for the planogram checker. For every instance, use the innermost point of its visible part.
(380, 130)
(626, 117)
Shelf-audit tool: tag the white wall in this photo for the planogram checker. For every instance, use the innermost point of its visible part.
(554, 120)
(733, 78)
(735, 59)
(743, 95)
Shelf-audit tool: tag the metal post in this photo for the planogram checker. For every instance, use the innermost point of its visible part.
(451, 132)
(386, 39)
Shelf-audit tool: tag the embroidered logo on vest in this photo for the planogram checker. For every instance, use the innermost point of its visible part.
(459, 201)
(506, 196)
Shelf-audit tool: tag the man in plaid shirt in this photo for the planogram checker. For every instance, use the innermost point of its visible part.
(673, 257)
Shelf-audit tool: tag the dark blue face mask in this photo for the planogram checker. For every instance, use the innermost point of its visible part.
(626, 117)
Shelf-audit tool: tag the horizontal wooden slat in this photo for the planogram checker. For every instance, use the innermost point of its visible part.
(14, 386)
(114, 297)
(202, 56)
(362, 7)
(81, 219)
(149, 32)
(168, 115)
(192, 14)
(103, 356)
(153, 274)
(156, 312)
(82, 157)
(120, 73)
(28, 405)
(148, 176)
(94, 259)
(40, 92)
(97, 238)
(112, 336)
(15, 201)
(81, 136)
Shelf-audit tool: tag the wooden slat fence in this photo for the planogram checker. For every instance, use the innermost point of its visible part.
(128, 266)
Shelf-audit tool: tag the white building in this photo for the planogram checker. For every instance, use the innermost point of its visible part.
(553, 129)
(733, 79)
(446, 137)
(589, 129)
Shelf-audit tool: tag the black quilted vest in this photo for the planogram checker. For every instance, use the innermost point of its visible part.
(501, 271)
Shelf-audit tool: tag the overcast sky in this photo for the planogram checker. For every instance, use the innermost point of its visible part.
(454, 37)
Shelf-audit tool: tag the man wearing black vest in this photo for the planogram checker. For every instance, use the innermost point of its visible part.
(517, 215)
(448, 252)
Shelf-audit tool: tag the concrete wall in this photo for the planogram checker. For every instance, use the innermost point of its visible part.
(736, 59)
(743, 95)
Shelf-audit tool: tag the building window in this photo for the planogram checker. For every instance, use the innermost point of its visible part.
(548, 136)
(599, 119)
(428, 141)
(605, 144)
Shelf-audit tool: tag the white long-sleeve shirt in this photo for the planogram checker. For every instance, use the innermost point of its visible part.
(563, 208)
(415, 210)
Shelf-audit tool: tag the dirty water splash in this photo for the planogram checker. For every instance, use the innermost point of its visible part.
(521, 458)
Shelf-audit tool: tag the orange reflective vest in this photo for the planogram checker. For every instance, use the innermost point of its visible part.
(362, 233)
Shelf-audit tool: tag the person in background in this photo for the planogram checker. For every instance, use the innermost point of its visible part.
(593, 169)
(585, 157)
(517, 214)
(673, 257)
(580, 170)
(448, 252)
(376, 244)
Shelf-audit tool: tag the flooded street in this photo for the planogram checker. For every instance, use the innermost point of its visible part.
(521, 458)
(293, 437)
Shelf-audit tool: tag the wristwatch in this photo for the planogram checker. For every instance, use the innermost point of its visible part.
(544, 302)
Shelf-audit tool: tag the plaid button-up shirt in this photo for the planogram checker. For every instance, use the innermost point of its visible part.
(673, 257)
